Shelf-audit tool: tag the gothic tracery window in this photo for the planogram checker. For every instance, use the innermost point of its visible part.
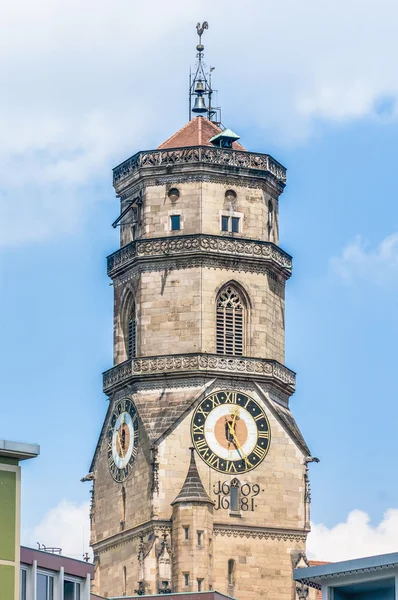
(230, 322)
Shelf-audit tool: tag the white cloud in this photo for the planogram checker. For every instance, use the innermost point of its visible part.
(355, 538)
(66, 526)
(85, 84)
(359, 261)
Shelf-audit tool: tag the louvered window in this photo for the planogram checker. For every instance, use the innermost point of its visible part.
(132, 335)
(230, 322)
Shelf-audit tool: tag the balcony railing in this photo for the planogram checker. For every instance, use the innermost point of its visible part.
(180, 365)
(201, 244)
(254, 161)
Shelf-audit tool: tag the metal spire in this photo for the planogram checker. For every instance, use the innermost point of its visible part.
(200, 84)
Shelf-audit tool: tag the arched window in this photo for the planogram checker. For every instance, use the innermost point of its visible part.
(230, 322)
(131, 334)
(231, 572)
(124, 581)
(234, 495)
(270, 214)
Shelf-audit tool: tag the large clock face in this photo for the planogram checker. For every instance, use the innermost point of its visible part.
(122, 439)
(231, 432)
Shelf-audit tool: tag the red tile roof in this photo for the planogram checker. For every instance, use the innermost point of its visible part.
(197, 132)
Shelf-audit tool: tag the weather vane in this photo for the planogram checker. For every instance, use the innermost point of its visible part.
(200, 84)
(200, 30)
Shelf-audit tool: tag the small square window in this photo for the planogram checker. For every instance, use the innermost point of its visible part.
(224, 223)
(175, 222)
(186, 533)
(235, 224)
(186, 579)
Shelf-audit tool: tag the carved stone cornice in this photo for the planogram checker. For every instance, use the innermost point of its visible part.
(249, 165)
(272, 533)
(124, 537)
(209, 365)
(259, 253)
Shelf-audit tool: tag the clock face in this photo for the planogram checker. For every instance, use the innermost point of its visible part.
(122, 439)
(231, 432)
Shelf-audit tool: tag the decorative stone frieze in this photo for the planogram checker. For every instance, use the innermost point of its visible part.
(200, 245)
(220, 529)
(255, 164)
(156, 367)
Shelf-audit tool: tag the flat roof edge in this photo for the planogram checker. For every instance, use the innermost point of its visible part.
(368, 563)
(18, 450)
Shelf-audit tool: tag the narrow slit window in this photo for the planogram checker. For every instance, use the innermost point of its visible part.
(200, 583)
(186, 533)
(231, 572)
(175, 222)
(200, 534)
(186, 579)
(234, 496)
(132, 330)
(229, 322)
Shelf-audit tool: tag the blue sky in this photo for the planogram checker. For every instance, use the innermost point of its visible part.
(85, 89)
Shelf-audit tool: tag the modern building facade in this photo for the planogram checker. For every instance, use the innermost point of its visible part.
(11, 454)
(49, 576)
(370, 578)
(200, 475)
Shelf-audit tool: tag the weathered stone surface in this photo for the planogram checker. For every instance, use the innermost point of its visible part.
(139, 527)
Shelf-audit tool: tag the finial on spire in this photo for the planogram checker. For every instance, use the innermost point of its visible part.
(200, 84)
(200, 30)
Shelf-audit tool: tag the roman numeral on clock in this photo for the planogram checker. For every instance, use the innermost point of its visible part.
(199, 429)
(259, 452)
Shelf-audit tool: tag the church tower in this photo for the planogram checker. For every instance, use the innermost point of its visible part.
(200, 473)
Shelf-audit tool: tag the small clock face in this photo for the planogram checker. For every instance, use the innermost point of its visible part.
(231, 432)
(122, 439)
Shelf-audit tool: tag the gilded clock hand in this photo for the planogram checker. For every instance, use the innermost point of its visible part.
(120, 442)
(238, 446)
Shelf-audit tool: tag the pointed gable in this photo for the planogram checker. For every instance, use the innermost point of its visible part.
(197, 132)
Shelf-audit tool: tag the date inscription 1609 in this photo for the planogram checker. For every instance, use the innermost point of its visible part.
(234, 497)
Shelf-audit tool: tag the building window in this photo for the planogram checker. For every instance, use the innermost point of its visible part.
(123, 506)
(186, 579)
(124, 581)
(230, 195)
(230, 322)
(186, 533)
(200, 584)
(71, 590)
(270, 214)
(235, 224)
(224, 223)
(175, 224)
(231, 572)
(231, 224)
(132, 334)
(22, 584)
(173, 194)
(45, 587)
(200, 535)
(234, 496)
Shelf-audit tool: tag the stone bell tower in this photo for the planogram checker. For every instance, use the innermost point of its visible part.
(199, 288)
